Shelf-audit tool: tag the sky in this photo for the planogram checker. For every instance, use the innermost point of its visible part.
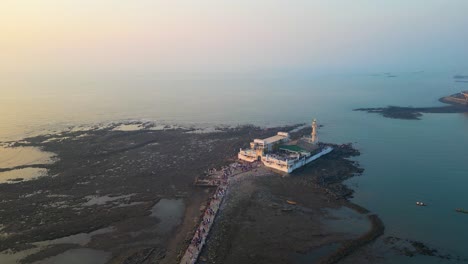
(211, 36)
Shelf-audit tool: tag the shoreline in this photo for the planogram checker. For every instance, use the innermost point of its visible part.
(377, 229)
(224, 247)
(128, 172)
(108, 178)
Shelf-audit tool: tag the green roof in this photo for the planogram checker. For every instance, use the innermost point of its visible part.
(292, 148)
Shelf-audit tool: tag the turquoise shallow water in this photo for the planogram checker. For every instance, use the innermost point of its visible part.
(405, 161)
(409, 161)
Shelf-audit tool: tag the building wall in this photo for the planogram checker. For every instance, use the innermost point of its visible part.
(281, 166)
(246, 158)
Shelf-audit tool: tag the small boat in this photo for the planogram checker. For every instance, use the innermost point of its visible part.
(460, 210)
(291, 202)
(420, 204)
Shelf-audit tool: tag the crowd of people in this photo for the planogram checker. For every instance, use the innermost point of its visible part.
(229, 170)
(244, 166)
(201, 233)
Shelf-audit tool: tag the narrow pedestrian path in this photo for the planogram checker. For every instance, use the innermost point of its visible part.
(198, 241)
(221, 178)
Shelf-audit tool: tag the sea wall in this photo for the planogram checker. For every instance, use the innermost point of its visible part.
(299, 163)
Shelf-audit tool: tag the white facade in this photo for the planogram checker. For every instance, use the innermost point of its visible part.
(268, 143)
(290, 165)
(260, 149)
(247, 155)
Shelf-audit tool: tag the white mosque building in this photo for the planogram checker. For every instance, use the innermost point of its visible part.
(280, 153)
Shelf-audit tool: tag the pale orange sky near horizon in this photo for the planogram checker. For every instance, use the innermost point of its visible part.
(211, 36)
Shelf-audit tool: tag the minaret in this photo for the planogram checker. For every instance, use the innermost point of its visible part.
(314, 131)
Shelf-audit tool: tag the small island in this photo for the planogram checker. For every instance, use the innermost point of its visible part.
(458, 103)
(456, 99)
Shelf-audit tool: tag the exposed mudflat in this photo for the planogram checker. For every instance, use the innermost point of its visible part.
(124, 194)
(258, 225)
(415, 113)
(113, 178)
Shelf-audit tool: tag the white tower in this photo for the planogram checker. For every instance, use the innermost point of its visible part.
(314, 131)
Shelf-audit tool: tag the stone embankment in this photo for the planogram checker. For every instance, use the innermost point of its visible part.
(220, 178)
(201, 234)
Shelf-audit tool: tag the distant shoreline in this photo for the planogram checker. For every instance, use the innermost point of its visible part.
(455, 105)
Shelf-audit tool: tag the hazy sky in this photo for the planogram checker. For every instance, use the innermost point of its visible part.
(232, 36)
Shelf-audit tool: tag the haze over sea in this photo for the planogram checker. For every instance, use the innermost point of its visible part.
(66, 63)
(404, 161)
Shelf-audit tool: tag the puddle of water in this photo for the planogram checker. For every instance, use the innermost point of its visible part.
(165, 127)
(100, 200)
(158, 127)
(82, 128)
(6, 257)
(25, 174)
(316, 254)
(12, 157)
(78, 256)
(169, 212)
(83, 135)
(346, 220)
(55, 139)
(79, 239)
(205, 130)
(129, 204)
(129, 127)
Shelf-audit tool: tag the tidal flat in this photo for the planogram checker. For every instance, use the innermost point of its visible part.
(128, 196)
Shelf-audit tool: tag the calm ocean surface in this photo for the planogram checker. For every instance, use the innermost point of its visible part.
(404, 161)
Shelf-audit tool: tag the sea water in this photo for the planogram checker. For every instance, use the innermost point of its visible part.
(404, 160)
